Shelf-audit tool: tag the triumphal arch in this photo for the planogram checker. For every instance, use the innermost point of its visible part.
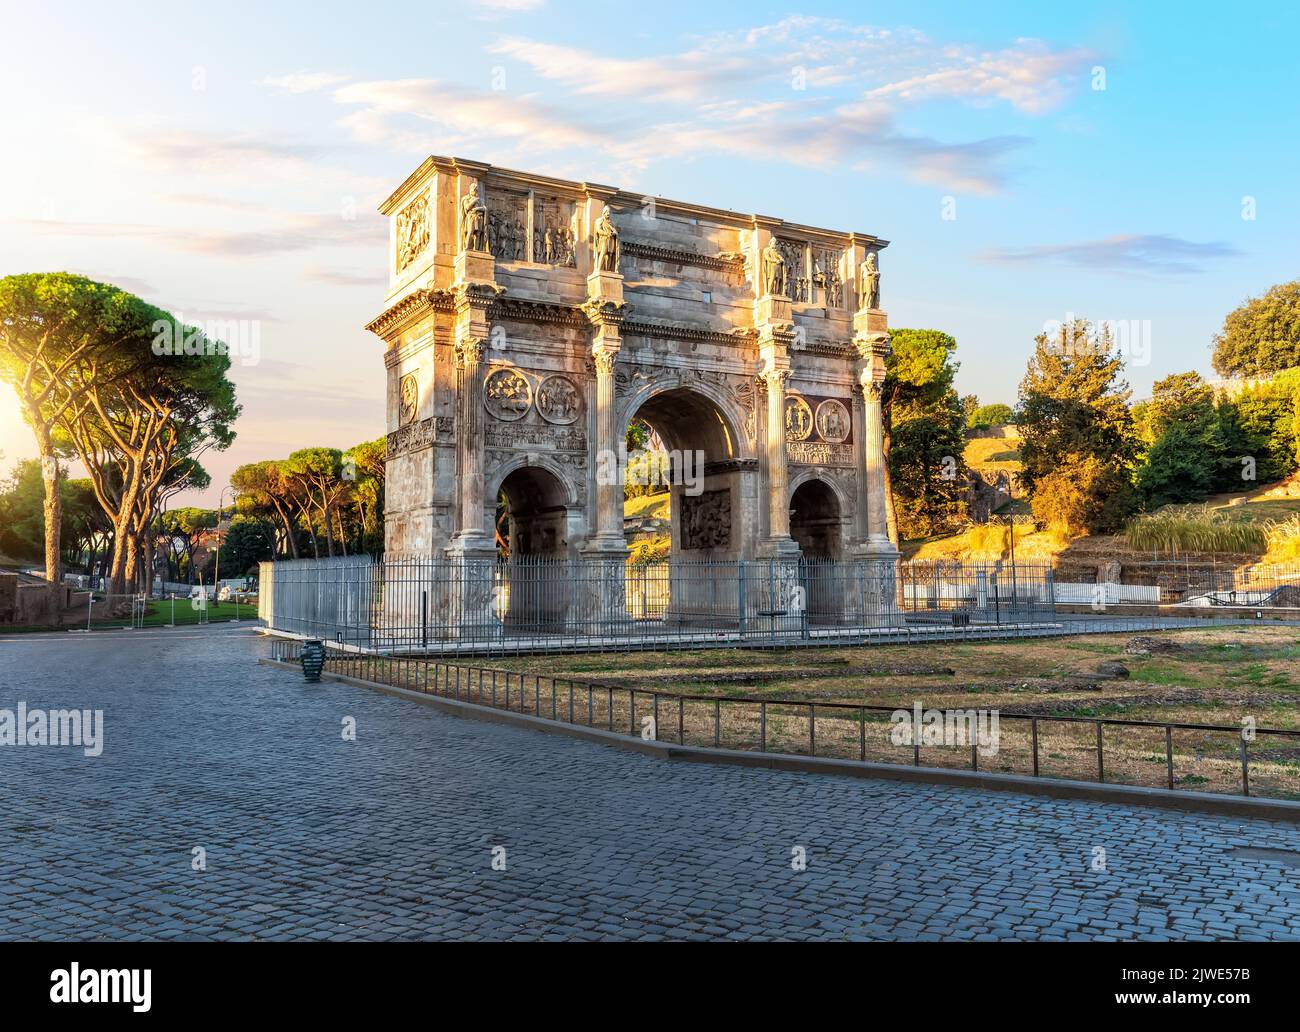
(528, 320)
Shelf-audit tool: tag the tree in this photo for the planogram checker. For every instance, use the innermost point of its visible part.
(247, 542)
(1073, 409)
(920, 411)
(364, 464)
(316, 479)
(1261, 336)
(989, 415)
(186, 525)
(929, 479)
(1184, 445)
(263, 489)
(135, 426)
(50, 325)
(1260, 428)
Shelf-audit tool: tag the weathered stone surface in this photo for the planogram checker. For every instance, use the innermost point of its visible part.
(529, 319)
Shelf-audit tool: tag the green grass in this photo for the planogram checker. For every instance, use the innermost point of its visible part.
(159, 614)
(1156, 673)
(653, 505)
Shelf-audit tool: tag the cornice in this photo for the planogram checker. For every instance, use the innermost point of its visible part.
(400, 315)
(668, 254)
(671, 331)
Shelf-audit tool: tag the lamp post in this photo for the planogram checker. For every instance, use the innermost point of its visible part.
(1011, 522)
(216, 576)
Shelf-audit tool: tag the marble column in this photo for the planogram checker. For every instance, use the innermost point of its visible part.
(471, 536)
(873, 434)
(778, 477)
(609, 492)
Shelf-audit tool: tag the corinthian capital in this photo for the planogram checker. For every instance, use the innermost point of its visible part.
(775, 379)
(604, 359)
(469, 351)
(873, 391)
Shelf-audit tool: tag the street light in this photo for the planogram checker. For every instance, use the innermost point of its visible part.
(216, 576)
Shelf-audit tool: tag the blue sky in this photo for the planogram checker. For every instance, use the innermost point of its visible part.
(226, 162)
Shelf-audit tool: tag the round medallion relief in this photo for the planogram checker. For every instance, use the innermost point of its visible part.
(559, 400)
(798, 419)
(408, 398)
(832, 421)
(507, 394)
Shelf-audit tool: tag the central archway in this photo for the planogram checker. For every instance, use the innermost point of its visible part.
(710, 524)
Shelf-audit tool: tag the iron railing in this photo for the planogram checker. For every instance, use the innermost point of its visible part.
(535, 603)
(1220, 759)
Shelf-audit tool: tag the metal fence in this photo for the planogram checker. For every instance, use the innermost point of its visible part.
(534, 604)
(1204, 582)
(1172, 755)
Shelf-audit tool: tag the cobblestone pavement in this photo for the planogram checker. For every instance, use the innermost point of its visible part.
(391, 836)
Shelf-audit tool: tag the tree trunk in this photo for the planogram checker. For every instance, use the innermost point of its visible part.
(53, 507)
(148, 565)
(891, 513)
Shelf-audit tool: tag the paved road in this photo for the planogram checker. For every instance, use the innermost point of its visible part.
(391, 836)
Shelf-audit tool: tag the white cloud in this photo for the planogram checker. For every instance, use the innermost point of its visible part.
(1029, 76)
(305, 82)
(1155, 254)
(679, 77)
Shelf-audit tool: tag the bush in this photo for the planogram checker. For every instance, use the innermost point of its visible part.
(989, 415)
(1284, 540)
(1081, 496)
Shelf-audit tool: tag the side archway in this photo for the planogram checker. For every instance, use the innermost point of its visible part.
(817, 526)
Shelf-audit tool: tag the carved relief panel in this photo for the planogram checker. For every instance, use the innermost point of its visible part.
(507, 394)
(798, 418)
(555, 232)
(818, 431)
(706, 520)
(532, 410)
(412, 230)
(826, 277)
(408, 398)
(508, 226)
(558, 400)
(795, 254)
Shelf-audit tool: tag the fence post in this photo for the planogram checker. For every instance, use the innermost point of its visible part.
(762, 727)
(740, 597)
(1033, 732)
(1101, 768)
(1245, 768)
(1169, 754)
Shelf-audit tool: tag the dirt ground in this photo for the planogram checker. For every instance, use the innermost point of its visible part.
(1212, 676)
(1228, 677)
